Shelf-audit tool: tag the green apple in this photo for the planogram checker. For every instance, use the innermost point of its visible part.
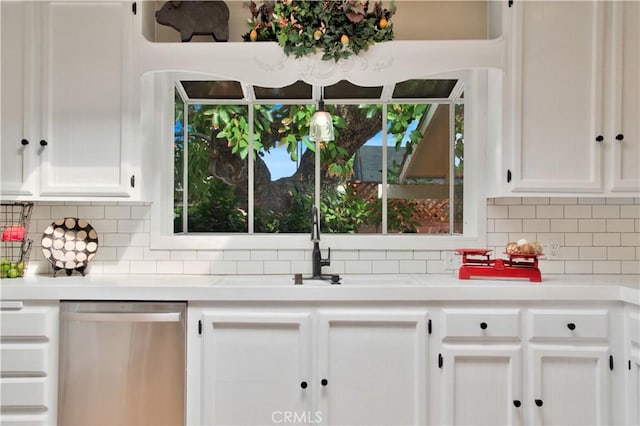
(12, 273)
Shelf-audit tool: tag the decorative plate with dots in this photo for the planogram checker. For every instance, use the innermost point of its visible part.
(69, 244)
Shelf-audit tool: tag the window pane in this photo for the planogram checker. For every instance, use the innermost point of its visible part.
(213, 89)
(418, 183)
(458, 164)
(297, 90)
(428, 89)
(178, 164)
(352, 171)
(283, 169)
(347, 90)
(217, 168)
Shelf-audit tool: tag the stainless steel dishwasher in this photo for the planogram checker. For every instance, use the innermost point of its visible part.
(122, 363)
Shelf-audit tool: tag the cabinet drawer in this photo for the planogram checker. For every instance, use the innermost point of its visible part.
(29, 322)
(481, 323)
(569, 324)
(23, 392)
(22, 360)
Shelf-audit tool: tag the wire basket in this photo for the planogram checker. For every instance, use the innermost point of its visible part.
(15, 247)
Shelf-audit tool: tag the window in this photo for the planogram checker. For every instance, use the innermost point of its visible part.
(243, 162)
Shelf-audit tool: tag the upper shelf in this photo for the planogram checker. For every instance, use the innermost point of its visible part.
(414, 20)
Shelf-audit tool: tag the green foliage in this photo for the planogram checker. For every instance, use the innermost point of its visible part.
(337, 28)
(217, 211)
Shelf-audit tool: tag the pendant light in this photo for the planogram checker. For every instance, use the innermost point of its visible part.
(321, 128)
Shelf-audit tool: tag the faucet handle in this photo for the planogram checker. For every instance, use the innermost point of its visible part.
(327, 260)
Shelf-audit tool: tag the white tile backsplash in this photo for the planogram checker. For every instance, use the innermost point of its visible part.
(596, 236)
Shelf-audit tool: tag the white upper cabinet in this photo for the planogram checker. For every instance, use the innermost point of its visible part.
(571, 99)
(68, 93)
(557, 99)
(18, 142)
(624, 132)
(86, 98)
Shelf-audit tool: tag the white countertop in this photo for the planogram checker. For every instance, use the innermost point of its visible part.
(252, 288)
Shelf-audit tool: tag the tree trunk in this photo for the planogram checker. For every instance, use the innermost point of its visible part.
(276, 195)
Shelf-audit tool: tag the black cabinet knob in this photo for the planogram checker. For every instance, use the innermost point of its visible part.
(324, 382)
(571, 326)
(599, 138)
(24, 142)
(516, 403)
(539, 402)
(44, 143)
(619, 137)
(483, 325)
(303, 385)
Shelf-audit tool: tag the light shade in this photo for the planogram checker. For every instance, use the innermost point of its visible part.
(321, 128)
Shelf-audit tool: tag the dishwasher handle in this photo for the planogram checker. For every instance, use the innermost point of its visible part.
(123, 316)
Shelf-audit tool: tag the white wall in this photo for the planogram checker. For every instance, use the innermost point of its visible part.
(597, 236)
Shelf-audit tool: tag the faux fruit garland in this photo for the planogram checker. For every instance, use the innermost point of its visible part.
(339, 28)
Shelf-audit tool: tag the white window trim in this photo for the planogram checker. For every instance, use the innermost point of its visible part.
(159, 86)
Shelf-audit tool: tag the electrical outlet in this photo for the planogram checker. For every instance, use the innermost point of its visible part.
(452, 260)
(553, 249)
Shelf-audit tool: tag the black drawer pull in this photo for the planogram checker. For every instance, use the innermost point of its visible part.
(303, 385)
(24, 142)
(516, 403)
(599, 138)
(43, 143)
(539, 402)
(324, 382)
(619, 137)
(483, 325)
(571, 326)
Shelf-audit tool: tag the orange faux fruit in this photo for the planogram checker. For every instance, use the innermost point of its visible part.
(253, 35)
(383, 23)
(317, 35)
(344, 39)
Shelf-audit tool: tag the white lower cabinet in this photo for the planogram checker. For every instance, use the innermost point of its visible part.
(309, 366)
(28, 362)
(482, 384)
(632, 367)
(569, 385)
(570, 366)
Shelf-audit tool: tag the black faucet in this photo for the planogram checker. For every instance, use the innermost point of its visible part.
(318, 261)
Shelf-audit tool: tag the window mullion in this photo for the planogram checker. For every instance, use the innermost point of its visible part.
(384, 168)
(452, 177)
(185, 168)
(251, 171)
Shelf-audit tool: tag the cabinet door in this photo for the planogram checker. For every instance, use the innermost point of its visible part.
(256, 368)
(570, 385)
(482, 385)
(558, 115)
(86, 98)
(625, 136)
(18, 143)
(632, 331)
(28, 362)
(372, 367)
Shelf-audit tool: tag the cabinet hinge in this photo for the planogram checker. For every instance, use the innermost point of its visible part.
(510, 3)
(132, 181)
(429, 329)
(508, 175)
(611, 362)
(134, 8)
(440, 361)
(199, 326)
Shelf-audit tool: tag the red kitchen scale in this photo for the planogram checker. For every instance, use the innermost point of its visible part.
(477, 263)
